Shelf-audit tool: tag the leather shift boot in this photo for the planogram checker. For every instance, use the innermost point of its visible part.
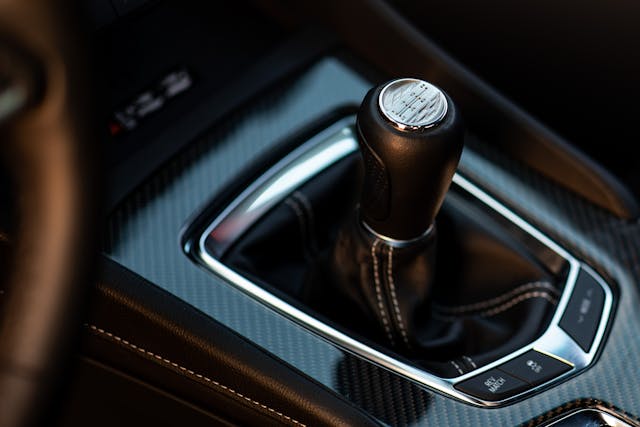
(465, 300)
(389, 284)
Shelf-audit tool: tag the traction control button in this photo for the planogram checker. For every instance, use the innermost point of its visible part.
(535, 368)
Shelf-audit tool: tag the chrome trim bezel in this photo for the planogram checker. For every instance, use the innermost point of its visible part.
(395, 242)
(308, 159)
(554, 341)
(598, 417)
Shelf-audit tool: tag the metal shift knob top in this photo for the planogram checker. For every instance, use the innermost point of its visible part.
(410, 137)
(412, 104)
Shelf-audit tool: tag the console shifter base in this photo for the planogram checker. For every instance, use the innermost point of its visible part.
(211, 246)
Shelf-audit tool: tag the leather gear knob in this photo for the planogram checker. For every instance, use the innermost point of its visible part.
(411, 136)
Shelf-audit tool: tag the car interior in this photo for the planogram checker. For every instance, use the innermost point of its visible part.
(319, 213)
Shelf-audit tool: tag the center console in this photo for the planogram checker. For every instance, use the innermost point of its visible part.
(343, 237)
(511, 310)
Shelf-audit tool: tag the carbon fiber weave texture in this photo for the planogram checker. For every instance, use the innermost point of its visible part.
(143, 236)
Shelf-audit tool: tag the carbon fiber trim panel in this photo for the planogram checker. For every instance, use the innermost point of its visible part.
(143, 235)
(582, 404)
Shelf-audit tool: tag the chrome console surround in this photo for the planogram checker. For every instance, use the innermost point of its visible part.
(590, 417)
(311, 158)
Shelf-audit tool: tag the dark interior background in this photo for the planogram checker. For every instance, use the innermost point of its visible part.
(574, 65)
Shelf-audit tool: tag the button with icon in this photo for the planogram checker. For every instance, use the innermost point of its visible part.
(583, 314)
(535, 367)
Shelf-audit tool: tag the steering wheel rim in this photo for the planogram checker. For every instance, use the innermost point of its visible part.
(51, 169)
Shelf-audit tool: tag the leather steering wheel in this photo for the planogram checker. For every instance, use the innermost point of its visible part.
(44, 150)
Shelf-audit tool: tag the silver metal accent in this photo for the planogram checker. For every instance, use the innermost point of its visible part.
(394, 242)
(412, 104)
(313, 157)
(289, 173)
(590, 417)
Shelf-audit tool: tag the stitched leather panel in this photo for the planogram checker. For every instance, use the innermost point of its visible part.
(146, 332)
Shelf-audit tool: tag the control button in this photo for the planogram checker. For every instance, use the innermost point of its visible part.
(582, 315)
(535, 368)
(492, 385)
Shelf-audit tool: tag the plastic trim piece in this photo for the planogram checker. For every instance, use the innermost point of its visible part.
(316, 155)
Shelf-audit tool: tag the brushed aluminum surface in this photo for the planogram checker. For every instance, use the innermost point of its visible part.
(412, 104)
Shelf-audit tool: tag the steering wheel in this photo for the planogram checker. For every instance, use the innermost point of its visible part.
(43, 142)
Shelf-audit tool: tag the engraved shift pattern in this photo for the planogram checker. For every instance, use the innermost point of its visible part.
(412, 103)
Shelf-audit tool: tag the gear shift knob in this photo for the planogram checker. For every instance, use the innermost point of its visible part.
(411, 136)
